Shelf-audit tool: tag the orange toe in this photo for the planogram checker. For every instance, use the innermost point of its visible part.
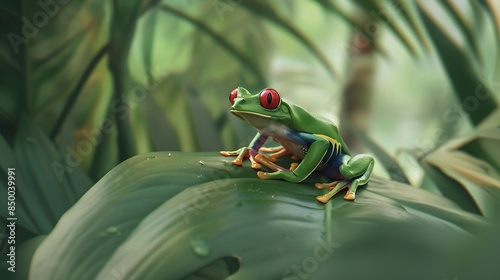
(350, 195)
(262, 175)
(323, 199)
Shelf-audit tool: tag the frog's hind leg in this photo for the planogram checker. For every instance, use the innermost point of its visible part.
(339, 185)
(358, 169)
(269, 163)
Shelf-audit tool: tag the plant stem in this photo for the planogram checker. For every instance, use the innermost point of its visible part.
(76, 91)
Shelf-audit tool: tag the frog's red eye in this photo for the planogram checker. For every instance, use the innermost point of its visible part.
(270, 98)
(233, 95)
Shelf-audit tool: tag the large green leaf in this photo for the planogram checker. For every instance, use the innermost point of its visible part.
(471, 163)
(475, 96)
(47, 182)
(178, 215)
(9, 161)
(106, 153)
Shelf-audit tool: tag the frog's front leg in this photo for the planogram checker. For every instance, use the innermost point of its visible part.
(248, 152)
(312, 159)
(356, 171)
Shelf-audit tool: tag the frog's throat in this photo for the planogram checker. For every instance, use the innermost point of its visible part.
(240, 113)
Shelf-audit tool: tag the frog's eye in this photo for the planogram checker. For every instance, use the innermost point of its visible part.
(270, 98)
(233, 95)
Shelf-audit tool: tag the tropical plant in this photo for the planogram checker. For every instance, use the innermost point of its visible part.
(92, 91)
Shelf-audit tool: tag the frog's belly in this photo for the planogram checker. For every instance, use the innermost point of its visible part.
(297, 149)
(281, 134)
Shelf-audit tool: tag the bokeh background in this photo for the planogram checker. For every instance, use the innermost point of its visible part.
(159, 72)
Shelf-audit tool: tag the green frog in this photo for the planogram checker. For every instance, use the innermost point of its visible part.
(312, 139)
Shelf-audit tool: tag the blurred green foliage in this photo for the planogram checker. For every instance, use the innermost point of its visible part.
(87, 84)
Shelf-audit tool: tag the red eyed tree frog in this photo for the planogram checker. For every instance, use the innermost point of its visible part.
(313, 139)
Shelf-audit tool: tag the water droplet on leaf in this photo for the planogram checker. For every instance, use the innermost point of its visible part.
(201, 162)
(113, 230)
(200, 246)
(151, 157)
(169, 154)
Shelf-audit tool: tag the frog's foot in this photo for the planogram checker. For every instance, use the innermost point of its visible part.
(340, 185)
(263, 175)
(358, 169)
(350, 195)
(326, 185)
(287, 175)
(240, 155)
(230, 153)
(269, 163)
(275, 167)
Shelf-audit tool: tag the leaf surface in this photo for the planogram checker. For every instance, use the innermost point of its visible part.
(156, 209)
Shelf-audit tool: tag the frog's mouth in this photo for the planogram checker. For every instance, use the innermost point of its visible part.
(254, 119)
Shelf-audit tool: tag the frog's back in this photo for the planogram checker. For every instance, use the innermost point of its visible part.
(315, 124)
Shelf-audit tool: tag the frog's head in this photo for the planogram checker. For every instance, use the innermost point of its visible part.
(260, 110)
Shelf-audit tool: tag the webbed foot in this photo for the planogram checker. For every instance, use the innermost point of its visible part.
(326, 185)
(262, 175)
(357, 171)
(240, 155)
(350, 195)
(338, 186)
(293, 166)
